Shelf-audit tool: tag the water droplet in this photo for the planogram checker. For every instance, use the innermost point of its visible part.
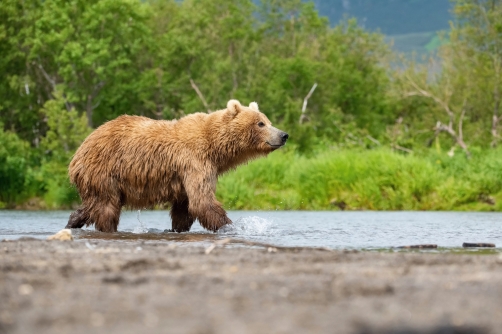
(141, 228)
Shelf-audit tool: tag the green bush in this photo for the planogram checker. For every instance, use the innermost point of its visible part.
(14, 166)
(67, 130)
(367, 180)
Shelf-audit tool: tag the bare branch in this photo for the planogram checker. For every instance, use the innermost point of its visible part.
(90, 98)
(458, 138)
(199, 94)
(430, 141)
(439, 126)
(373, 140)
(496, 136)
(460, 121)
(422, 92)
(158, 113)
(68, 105)
(496, 103)
(97, 88)
(400, 148)
(94, 106)
(305, 101)
(308, 97)
(47, 76)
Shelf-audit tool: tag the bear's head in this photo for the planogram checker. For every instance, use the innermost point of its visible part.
(251, 130)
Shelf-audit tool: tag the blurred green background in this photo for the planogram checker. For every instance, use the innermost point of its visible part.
(405, 115)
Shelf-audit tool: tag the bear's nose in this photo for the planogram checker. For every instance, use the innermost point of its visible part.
(284, 136)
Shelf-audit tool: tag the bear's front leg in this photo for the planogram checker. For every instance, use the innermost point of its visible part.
(202, 201)
(213, 217)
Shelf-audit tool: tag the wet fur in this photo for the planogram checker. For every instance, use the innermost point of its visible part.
(138, 162)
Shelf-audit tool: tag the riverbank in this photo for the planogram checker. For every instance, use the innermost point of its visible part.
(151, 287)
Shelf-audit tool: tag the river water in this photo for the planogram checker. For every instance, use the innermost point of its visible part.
(347, 230)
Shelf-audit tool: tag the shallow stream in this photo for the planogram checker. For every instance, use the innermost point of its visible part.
(347, 230)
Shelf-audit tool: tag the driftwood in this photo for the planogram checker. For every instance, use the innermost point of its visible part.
(481, 244)
(424, 246)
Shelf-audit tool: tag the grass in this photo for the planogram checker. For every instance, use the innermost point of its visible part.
(366, 180)
(335, 180)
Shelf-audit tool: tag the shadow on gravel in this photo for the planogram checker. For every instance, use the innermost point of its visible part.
(432, 330)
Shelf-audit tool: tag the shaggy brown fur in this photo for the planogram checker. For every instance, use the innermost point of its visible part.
(139, 162)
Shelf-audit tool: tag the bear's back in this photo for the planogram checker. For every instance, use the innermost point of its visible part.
(117, 146)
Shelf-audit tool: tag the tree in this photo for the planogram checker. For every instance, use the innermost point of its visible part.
(66, 131)
(19, 98)
(14, 164)
(88, 48)
(478, 30)
(449, 90)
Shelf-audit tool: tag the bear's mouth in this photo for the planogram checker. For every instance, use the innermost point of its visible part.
(275, 146)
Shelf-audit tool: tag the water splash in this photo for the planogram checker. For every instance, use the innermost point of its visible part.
(248, 226)
(141, 228)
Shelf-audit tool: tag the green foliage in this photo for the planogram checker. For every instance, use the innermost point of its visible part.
(165, 59)
(14, 164)
(458, 96)
(366, 180)
(90, 49)
(69, 66)
(66, 131)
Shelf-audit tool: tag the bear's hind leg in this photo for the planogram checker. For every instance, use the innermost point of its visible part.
(106, 215)
(182, 220)
(79, 218)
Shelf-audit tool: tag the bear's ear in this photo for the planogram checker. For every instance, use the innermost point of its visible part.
(234, 107)
(254, 106)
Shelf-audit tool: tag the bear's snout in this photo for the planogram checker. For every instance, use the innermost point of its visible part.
(277, 138)
(284, 136)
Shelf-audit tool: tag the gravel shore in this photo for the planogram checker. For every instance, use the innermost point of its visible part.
(104, 286)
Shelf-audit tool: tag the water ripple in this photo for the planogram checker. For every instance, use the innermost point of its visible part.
(355, 230)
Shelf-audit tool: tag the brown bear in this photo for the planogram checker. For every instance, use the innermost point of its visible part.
(139, 162)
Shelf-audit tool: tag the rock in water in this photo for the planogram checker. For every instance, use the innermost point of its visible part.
(63, 235)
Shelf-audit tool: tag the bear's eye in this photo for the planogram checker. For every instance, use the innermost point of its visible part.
(261, 124)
